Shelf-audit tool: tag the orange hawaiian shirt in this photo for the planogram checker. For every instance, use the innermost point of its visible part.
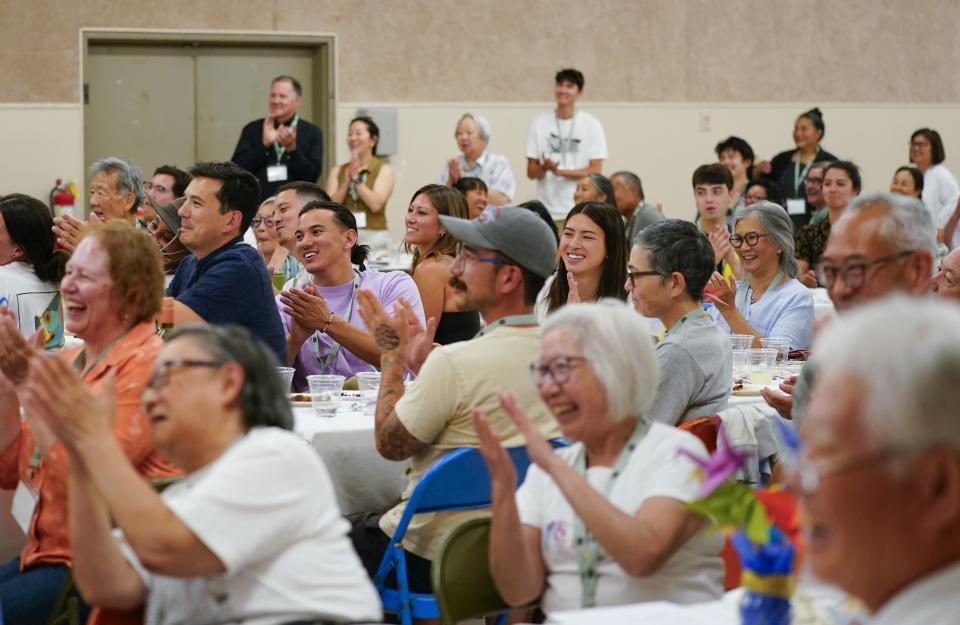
(131, 359)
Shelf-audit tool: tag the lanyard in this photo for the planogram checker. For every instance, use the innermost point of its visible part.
(565, 145)
(335, 346)
(279, 149)
(588, 550)
(743, 296)
(798, 176)
(509, 320)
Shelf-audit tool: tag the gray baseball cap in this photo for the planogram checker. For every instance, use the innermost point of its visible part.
(517, 233)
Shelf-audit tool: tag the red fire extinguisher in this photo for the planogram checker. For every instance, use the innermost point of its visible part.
(63, 198)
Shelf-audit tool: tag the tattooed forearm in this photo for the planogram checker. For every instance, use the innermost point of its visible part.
(393, 440)
(386, 338)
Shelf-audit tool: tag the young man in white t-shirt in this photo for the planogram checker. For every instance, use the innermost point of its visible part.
(563, 146)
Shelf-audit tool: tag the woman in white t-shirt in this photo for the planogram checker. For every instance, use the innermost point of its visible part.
(30, 268)
(940, 189)
(604, 521)
(251, 534)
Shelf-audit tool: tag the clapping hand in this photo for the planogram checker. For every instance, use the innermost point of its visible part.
(16, 353)
(573, 295)
(723, 292)
(390, 333)
(453, 171)
(287, 135)
(538, 447)
(270, 133)
(69, 230)
(308, 311)
(419, 338)
(503, 475)
(720, 241)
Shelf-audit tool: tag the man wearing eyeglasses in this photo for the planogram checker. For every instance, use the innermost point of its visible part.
(506, 255)
(946, 283)
(881, 245)
(878, 475)
(670, 264)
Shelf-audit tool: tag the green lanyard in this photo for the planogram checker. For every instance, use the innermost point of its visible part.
(588, 550)
(278, 149)
(798, 176)
(696, 313)
(335, 346)
(743, 295)
(509, 320)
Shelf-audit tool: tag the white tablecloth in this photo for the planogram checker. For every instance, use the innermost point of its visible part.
(364, 481)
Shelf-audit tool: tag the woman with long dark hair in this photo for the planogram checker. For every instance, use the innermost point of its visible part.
(30, 268)
(592, 259)
(433, 249)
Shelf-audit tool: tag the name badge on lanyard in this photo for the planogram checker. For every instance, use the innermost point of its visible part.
(276, 173)
(24, 505)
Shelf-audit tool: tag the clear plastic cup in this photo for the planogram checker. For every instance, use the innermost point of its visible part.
(325, 393)
(286, 376)
(741, 341)
(763, 362)
(369, 384)
(741, 365)
(782, 345)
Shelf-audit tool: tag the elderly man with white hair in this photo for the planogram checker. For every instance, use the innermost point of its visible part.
(605, 521)
(946, 283)
(473, 135)
(882, 244)
(879, 472)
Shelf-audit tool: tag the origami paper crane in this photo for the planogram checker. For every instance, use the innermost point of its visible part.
(717, 467)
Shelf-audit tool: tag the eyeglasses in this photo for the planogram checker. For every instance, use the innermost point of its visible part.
(467, 253)
(161, 375)
(808, 476)
(811, 180)
(920, 144)
(752, 238)
(266, 221)
(559, 369)
(853, 274)
(633, 275)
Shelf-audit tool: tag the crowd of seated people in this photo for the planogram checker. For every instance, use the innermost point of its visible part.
(516, 323)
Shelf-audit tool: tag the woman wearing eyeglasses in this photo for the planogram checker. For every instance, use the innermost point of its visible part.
(604, 521)
(264, 230)
(251, 534)
(111, 291)
(769, 301)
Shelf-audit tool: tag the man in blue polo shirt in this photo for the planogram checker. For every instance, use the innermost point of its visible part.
(225, 280)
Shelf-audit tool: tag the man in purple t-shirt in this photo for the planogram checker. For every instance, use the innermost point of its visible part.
(322, 323)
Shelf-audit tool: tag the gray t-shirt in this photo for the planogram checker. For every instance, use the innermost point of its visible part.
(696, 370)
(645, 215)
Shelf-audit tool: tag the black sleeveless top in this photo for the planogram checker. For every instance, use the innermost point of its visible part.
(457, 326)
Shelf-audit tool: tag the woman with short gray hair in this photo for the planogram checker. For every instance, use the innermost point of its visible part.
(604, 521)
(473, 136)
(769, 301)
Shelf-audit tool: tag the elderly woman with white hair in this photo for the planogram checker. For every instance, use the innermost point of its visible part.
(769, 301)
(604, 521)
(473, 136)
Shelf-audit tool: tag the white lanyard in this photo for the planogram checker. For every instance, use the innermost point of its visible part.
(565, 145)
(588, 550)
(798, 176)
(278, 149)
(335, 346)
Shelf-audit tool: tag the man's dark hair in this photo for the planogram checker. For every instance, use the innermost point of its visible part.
(632, 179)
(309, 191)
(714, 173)
(343, 216)
(469, 183)
(537, 207)
(293, 81)
(180, 178)
(240, 190)
(737, 145)
(674, 245)
(570, 75)
(263, 399)
(774, 194)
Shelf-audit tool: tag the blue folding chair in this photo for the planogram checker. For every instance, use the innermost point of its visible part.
(458, 481)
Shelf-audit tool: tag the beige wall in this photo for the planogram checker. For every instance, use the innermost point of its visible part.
(505, 50)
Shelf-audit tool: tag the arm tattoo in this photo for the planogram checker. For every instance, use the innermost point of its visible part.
(386, 337)
(393, 440)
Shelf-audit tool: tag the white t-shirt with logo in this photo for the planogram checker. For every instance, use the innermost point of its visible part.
(573, 143)
(691, 575)
(28, 297)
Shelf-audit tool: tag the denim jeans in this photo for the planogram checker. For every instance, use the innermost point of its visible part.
(27, 598)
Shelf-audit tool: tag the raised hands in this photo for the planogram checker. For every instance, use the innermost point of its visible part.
(270, 134)
(69, 230)
(573, 295)
(16, 352)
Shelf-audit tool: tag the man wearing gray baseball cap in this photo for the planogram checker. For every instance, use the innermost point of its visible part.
(506, 255)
